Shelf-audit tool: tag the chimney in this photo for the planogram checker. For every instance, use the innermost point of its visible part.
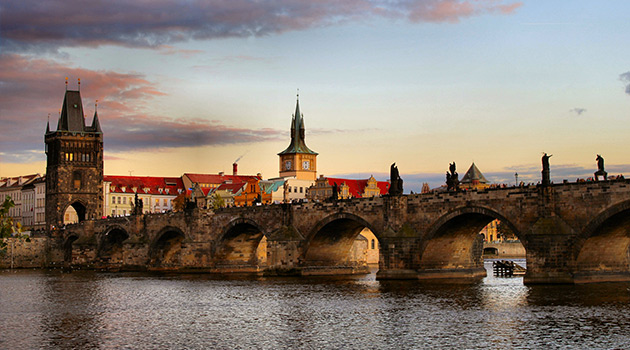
(234, 169)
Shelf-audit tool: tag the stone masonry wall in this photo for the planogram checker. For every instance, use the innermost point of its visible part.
(23, 253)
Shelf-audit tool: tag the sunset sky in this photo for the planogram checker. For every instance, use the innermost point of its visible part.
(191, 86)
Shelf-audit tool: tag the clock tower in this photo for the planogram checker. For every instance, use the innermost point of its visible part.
(298, 160)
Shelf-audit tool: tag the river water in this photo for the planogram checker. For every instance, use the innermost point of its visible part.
(87, 310)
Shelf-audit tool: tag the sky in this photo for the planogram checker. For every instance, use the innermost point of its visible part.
(191, 86)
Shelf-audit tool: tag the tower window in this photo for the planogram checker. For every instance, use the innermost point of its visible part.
(76, 180)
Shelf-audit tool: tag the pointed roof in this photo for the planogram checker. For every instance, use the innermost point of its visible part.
(48, 127)
(474, 174)
(298, 145)
(96, 126)
(71, 118)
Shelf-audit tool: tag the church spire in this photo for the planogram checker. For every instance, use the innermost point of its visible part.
(48, 125)
(96, 126)
(298, 145)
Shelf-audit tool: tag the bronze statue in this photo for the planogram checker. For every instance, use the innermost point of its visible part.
(396, 183)
(545, 169)
(335, 192)
(600, 168)
(452, 178)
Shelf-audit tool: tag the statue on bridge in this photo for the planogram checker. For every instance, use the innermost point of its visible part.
(600, 168)
(396, 183)
(452, 178)
(335, 192)
(137, 205)
(545, 169)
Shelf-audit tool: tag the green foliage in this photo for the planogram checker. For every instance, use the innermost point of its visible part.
(7, 227)
(217, 201)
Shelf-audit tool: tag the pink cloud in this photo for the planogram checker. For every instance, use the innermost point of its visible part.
(30, 89)
(455, 10)
(37, 25)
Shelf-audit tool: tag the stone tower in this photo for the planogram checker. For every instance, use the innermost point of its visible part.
(298, 160)
(74, 166)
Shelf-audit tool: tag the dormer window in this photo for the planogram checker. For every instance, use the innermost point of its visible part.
(167, 190)
(179, 190)
(146, 190)
(112, 188)
(134, 189)
(160, 190)
(124, 188)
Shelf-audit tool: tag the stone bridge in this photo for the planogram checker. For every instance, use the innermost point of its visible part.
(572, 233)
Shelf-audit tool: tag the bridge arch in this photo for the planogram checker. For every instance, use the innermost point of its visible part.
(331, 240)
(453, 242)
(602, 247)
(110, 247)
(242, 244)
(165, 251)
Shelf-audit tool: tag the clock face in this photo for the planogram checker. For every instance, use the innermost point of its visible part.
(305, 164)
(287, 165)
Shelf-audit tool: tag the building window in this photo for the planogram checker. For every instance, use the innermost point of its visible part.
(373, 244)
(118, 200)
(113, 200)
(124, 200)
(301, 189)
(76, 177)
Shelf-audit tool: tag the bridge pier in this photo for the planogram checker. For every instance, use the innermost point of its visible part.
(548, 259)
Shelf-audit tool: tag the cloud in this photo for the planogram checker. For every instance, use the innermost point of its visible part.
(625, 78)
(35, 25)
(31, 89)
(578, 110)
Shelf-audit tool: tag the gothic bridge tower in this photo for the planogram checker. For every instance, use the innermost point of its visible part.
(74, 165)
(298, 160)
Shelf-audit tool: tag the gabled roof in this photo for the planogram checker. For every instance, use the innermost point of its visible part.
(298, 145)
(14, 182)
(474, 174)
(357, 187)
(220, 179)
(153, 184)
(233, 187)
(271, 186)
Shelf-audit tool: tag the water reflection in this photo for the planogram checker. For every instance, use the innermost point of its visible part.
(147, 311)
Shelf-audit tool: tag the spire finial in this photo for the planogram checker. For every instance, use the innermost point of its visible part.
(298, 94)
(66, 83)
(95, 106)
(79, 84)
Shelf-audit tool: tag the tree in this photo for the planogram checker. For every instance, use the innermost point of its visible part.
(7, 227)
(179, 202)
(217, 201)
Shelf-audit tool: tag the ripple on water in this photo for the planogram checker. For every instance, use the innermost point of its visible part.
(144, 311)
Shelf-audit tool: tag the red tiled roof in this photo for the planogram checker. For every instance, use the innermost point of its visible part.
(15, 180)
(233, 187)
(173, 184)
(356, 187)
(219, 179)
